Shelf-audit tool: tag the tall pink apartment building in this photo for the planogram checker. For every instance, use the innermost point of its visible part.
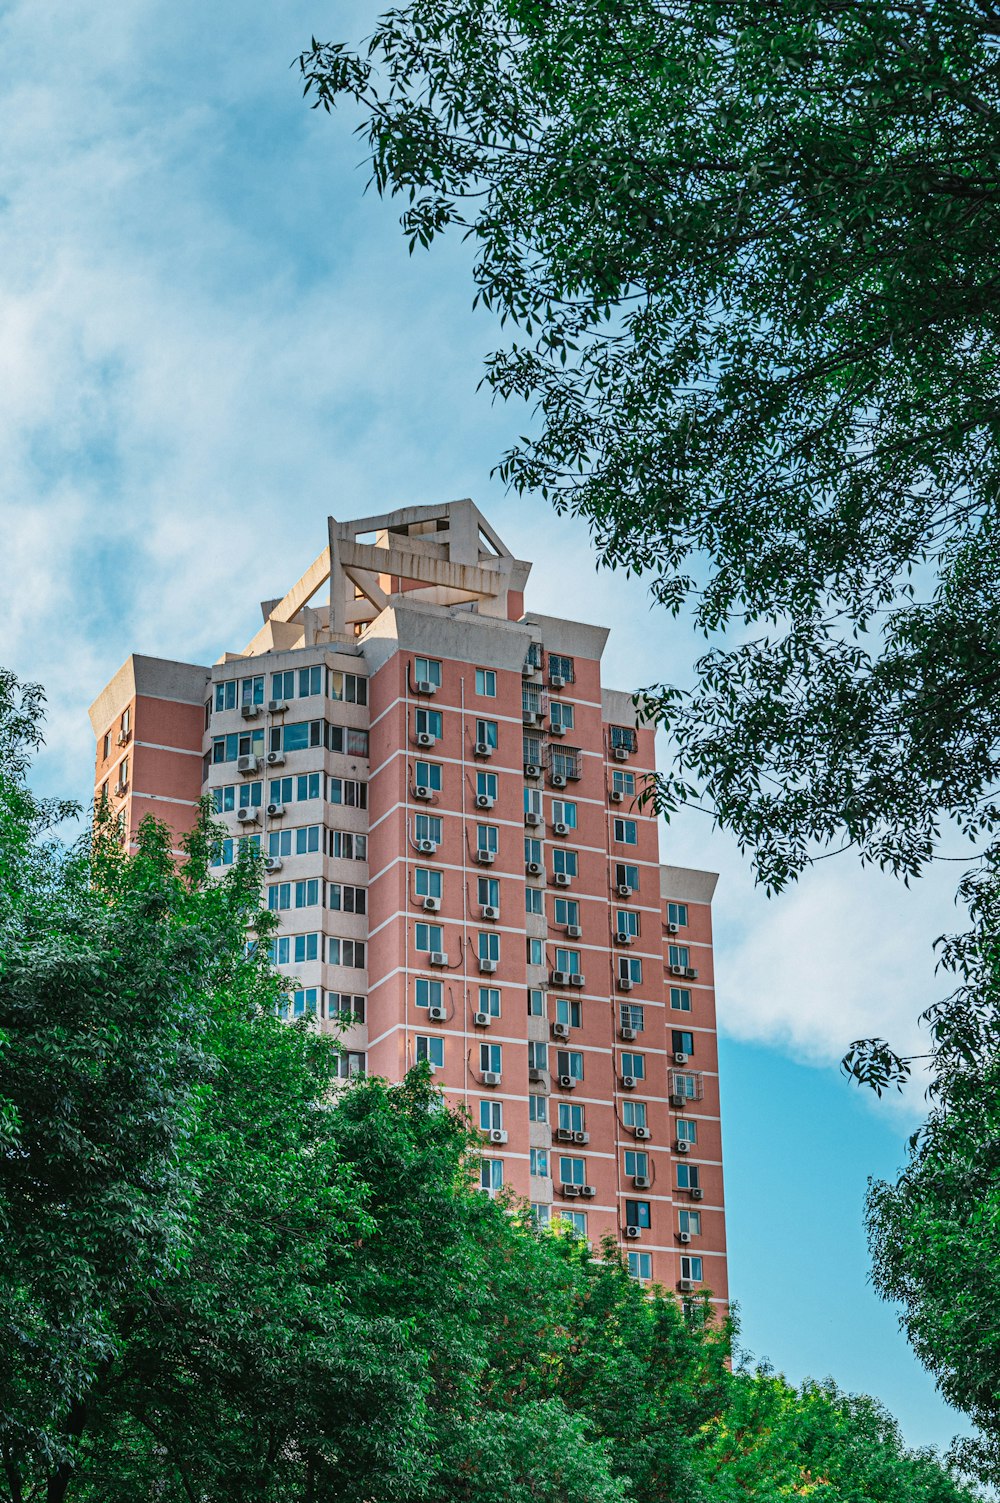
(445, 795)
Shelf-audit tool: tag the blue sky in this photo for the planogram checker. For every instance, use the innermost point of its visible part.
(211, 338)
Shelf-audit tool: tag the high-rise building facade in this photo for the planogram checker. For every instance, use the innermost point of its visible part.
(446, 798)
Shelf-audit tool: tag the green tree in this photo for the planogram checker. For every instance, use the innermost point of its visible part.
(751, 252)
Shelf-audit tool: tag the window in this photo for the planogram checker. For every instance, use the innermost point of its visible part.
(427, 827)
(305, 1000)
(680, 999)
(347, 846)
(237, 744)
(677, 913)
(347, 791)
(491, 1116)
(634, 1113)
(688, 1177)
(634, 1065)
(532, 851)
(687, 1131)
(431, 1050)
(427, 671)
(624, 735)
(572, 1171)
(567, 911)
(428, 775)
(348, 687)
(538, 1109)
(640, 1265)
(564, 812)
(486, 785)
(345, 1005)
(679, 955)
(568, 1011)
(636, 1163)
(489, 946)
(428, 722)
(306, 947)
(566, 762)
(297, 736)
(126, 721)
(532, 801)
(350, 1065)
(237, 796)
(279, 896)
(689, 1221)
(342, 738)
(531, 701)
(228, 851)
(489, 1001)
(349, 952)
(428, 993)
(488, 892)
(307, 785)
(123, 773)
(486, 682)
(681, 1041)
(539, 1163)
(490, 1058)
(347, 899)
(623, 782)
(426, 883)
(626, 832)
(691, 1268)
(688, 1086)
(541, 1215)
(488, 838)
(632, 1015)
(534, 900)
(569, 961)
(107, 746)
(569, 1062)
(538, 1054)
(627, 922)
(637, 1213)
(531, 750)
(279, 951)
(533, 657)
(536, 951)
(570, 1117)
(283, 685)
(536, 1002)
(307, 893)
(310, 681)
(630, 969)
(576, 1221)
(565, 861)
(429, 937)
(561, 714)
(561, 667)
(305, 839)
(626, 875)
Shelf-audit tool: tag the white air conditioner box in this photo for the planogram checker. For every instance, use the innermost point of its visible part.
(487, 967)
(426, 847)
(276, 707)
(484, 801)
(490, 911)
(432, 905)
(437, 957)
(436, 1014)
(275, 811)
(491, 1077)
(561, 879)
(275, 759)
(628, 1082)
(424, 738)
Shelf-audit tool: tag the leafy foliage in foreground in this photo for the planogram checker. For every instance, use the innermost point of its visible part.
(751, 250)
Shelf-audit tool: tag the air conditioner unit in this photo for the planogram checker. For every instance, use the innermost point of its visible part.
(673, 928)
(588, 1190)
(573, 931)
(697, 1193)
(486, 858)
(628, 1034)
(687, 1285)
(641, 1181)
(275, 811)
(534, 868)
(422, 792)
(556, 681)
(567, 1082)
(633, 1231)
(684, 1237)
(247, 764)
(690, 973)
(616, 796)
(275, 759)
(642, 1133)
(571, 1190)
(680, 1058)
(682, 1146)
(248, 816)
(483, 749)
(560, 828)
(497, 1135)
(623, 890)
(560, 1030)
(483, 801)
(559, 978)
(487, 967)
(581, 1137)
(490, 911)
(536, 1074)
(624, 983)
(426, 847)
(483, 1019)
(558, 780)
(424, 686)
(436, 1015)
(621, 753)
(677, 1101)
(577, 978)
(250, 712)
(124, 737)
(623, 937)
(276, 706)
(437, 957)
(677, 970)
(532, 770)
(527, 669)
(424, 738)
(628, 1082)
(273, 863)
(528, 717)
(564, 1135)
(561, 879)
(491, 1077)
(432, 905)
(555, 729)
(531, 818)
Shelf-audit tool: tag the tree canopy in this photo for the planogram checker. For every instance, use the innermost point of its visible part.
(750, 251)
